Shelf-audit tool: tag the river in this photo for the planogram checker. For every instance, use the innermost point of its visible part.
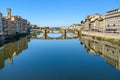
(59, 59)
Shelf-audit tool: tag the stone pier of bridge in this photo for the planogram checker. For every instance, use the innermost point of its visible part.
(62, 31)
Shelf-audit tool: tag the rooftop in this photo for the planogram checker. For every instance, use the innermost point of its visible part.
(113, 10)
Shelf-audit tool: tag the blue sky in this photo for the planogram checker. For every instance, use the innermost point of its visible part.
(57, 12)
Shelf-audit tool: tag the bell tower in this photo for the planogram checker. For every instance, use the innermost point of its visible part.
(9, 12)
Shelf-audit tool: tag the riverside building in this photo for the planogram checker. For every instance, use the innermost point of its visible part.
(112, 21)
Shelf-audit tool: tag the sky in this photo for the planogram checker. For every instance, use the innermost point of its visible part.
(57, 13)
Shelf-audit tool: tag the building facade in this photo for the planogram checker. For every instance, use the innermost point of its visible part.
(75, 26)
(86, 24)
(4, 23)
(1, 25)
(17, 22)
(101, 26)
(11, 25)
(112, 21)
(94, 22)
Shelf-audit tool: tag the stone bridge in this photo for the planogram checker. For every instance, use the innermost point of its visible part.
(62, 31)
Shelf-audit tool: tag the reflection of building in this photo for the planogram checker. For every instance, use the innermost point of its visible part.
(112, 20)
(110, 52)
(113, 56)
(12, 49)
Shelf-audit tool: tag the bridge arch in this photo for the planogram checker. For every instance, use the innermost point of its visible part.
(64, 32)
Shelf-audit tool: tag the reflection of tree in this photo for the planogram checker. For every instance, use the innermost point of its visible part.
(12, 49)
(1, 58)
(110, 52)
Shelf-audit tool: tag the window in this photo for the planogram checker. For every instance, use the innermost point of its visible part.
(108, 25)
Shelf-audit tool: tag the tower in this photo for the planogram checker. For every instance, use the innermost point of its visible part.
(9, 12)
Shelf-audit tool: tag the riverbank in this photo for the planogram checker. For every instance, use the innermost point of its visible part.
(110, 37)
(10, 38)
(104, 35)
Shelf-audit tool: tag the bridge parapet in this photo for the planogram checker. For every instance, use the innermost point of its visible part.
(62, 31)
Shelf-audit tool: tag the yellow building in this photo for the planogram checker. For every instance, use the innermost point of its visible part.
(17, 21)
(86, 25)
(97, 24)
(101, 26)
(94, 25)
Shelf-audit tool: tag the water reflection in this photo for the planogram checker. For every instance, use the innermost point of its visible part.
(53, 36)
(12, 49)
(56, 35)
(110, 52)
(59, 60)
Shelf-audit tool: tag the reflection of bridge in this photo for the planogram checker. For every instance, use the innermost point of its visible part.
(53, 38)
(62, 31)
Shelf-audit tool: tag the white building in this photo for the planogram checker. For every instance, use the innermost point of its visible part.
(75, 26)
(112, 21)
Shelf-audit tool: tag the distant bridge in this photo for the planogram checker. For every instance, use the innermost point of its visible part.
(56, 31)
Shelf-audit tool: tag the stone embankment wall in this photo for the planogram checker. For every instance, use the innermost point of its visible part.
(100, 34)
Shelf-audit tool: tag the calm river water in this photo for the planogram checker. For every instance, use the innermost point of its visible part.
(61, 59)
